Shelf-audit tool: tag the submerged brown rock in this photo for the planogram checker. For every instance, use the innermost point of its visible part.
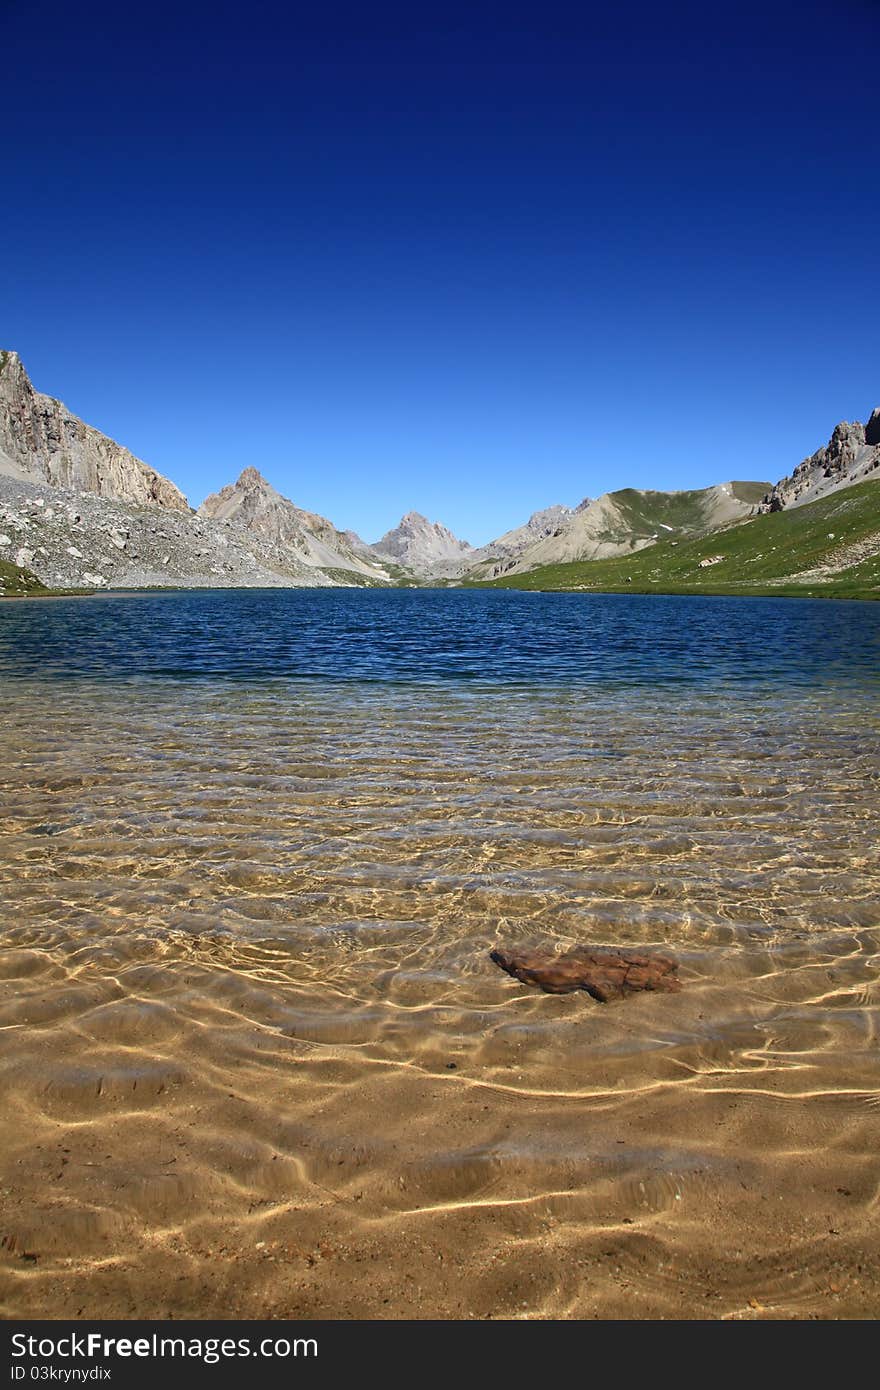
(604, 973)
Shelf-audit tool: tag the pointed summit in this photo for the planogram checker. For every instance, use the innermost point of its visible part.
(251, 477)
(253, 502)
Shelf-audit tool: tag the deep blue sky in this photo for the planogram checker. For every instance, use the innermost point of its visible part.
(471, 260)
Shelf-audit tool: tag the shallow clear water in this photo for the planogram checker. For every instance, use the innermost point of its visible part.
(257, 846)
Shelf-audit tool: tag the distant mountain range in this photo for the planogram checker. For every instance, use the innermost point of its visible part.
(77, 509)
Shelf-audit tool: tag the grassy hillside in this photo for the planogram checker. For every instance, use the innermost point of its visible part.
(629, 519)
(644, 512)
(829, 548)
(16, 582)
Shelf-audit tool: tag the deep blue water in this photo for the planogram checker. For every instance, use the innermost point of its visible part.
(431, 636)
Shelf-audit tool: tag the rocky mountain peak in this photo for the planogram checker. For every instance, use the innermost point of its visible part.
(872, 429)
(423, 546)
(294, 538)
(548, 516)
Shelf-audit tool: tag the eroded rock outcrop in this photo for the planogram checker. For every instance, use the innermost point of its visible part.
(500, 555)
(852, 455)
(79, 540)
(79, 510)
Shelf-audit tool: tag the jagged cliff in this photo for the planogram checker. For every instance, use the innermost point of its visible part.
(851, 455)
(42, 442)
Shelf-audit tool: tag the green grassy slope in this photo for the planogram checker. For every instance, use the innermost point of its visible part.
(645, 511)
(771, 554)
(16, 582)
(752, 493)
(638, 515)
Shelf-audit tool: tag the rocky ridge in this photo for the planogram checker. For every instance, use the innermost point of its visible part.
(851, 455)
(490, 559)
(79, 511)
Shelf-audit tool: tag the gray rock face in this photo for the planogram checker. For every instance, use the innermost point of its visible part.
(79, 540)
(41, 442)
(294, 538)
(423, 546)
(551, 521)
(851, 455)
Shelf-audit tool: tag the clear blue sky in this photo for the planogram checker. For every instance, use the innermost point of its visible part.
(467, 259)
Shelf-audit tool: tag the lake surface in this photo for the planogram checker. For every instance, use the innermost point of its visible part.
(459, 636)
(256, 848)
